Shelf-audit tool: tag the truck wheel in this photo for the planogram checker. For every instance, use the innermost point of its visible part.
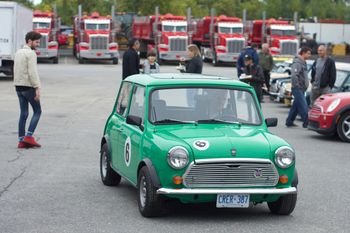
(108, 176)
(55, 60)
(204, 58)
(343, 127)
(149, 202)
(81, 60)
(115, 61)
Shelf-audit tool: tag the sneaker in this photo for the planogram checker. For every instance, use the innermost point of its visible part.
(291, 125)
(22, 145)
(29, 140)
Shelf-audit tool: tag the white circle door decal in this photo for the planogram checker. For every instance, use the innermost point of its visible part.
(127, 152)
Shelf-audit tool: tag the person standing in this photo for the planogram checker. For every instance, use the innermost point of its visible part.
(131, 59)
(266, 63)
(257, 76)
(300, 83)
(251, 51)
(323, 74)
(27, 84)
(195, 64)
(150, 66)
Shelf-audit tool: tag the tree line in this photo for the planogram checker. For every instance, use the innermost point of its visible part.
(307, 9)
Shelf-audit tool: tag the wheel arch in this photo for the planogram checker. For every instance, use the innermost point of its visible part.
(154, 176)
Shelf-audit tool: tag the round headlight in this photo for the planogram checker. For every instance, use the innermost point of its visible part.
(284, 157)
(178, 157)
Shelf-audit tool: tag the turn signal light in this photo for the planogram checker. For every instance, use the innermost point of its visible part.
(177, 180)
(283, 179)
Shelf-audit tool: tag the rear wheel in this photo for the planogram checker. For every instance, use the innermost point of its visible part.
(343, 127)
(108, 176)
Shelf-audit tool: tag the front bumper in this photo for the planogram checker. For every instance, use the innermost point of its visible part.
(173, 55)
(99, 54)
(46, 53)
(281, 191)
(227, 57)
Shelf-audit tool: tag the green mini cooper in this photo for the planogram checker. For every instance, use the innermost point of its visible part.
(196, 138)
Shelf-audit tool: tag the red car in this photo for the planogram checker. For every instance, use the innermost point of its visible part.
(330, 115)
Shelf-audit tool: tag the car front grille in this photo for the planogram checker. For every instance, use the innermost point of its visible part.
(234, 46)
(231, 174)
(316, 108)
(178, 44)
(289, 48)
(99, 42)
(43, 41)
(313, 124)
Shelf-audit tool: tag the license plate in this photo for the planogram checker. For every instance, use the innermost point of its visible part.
(232, 201)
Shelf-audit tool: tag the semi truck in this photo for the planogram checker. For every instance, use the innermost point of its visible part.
(279, 34)
(221, 38)
(12, 34)
(94, 38)
(167, 34)
(47, 24)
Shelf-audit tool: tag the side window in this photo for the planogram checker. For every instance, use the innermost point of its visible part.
(137, 106)
(123, 99)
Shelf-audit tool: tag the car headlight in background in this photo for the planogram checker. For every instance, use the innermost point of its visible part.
(284, 157)
(178, 157)
(333, 105)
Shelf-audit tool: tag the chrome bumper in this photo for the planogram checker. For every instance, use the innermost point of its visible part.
(290, 190)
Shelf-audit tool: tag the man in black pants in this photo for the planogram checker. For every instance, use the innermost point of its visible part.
(131, 59)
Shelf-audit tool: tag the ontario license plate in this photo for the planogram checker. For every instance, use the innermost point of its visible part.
(232, 201)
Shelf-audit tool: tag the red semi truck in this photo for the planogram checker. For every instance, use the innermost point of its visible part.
(279, 34)
(167, 34)
(46, 23)
(94, 39)
(221, 38)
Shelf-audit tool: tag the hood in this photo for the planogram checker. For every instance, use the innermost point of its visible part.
(283, 37)
(169, 34)
(217, 141)
(43, 30)
(97, 32)
(231, 36)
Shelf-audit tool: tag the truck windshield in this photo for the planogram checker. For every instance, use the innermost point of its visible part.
(203, 105)
(230, 30)
(38, 25)
(97, 26)
(278, 32)
(173, 28)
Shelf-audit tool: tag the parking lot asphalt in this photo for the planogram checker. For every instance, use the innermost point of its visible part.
(57, 188)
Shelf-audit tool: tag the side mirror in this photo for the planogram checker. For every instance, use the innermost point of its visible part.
(134, 120)
(271, 122)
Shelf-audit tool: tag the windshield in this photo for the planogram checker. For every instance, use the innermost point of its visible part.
(39, 25)
(199, 105)
(230, 30)
(341, 76)
(173, 28)
(96, 26)
(277, 32)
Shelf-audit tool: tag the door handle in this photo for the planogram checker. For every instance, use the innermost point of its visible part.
(119, 129)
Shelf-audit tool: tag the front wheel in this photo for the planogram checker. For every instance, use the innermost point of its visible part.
(108, 176)
(149, 202)
(284, 205)
(343, 127)
(115, 61)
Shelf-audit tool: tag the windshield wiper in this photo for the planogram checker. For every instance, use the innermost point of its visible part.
(173, 121)
(207, 121)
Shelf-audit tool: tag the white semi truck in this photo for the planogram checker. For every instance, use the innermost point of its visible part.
(16, 20)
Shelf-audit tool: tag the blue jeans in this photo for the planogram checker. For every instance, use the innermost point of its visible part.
(299, 106)
(26, 97)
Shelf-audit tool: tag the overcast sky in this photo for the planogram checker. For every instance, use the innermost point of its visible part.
(36, 1)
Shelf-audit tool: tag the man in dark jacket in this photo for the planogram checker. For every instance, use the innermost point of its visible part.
(323, 74)
(300, 83)
(251, 51)
(131, 59)
(257, 75)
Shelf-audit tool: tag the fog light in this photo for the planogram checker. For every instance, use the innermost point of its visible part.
(283, 179)
(177, 180)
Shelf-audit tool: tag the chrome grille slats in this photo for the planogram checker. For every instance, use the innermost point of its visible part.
(99, 42)
(234, 46)
(289, 48)
(177, 44)
(231, 174)
(43, 41)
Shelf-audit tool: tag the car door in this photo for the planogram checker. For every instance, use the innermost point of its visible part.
(117, 120)
(131, 136)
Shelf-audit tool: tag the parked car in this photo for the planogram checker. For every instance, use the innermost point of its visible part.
(330, 115)
(189, 137)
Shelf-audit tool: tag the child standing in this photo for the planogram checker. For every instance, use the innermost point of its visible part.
(150, 66)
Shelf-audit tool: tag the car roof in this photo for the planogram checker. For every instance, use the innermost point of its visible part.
(342, 66)
(161, 79)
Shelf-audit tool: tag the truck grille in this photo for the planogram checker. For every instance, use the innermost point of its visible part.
(43, 41)
(178, 44)
(234, 46)
(231, 174)
(99, 42)
(289, 48)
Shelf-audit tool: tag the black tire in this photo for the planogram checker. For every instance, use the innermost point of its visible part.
(286, 203)
(108, 176)
(115, 61)
(343, 127)
(215, 60)
(81, 60)
(149, 202)
(55, 60)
